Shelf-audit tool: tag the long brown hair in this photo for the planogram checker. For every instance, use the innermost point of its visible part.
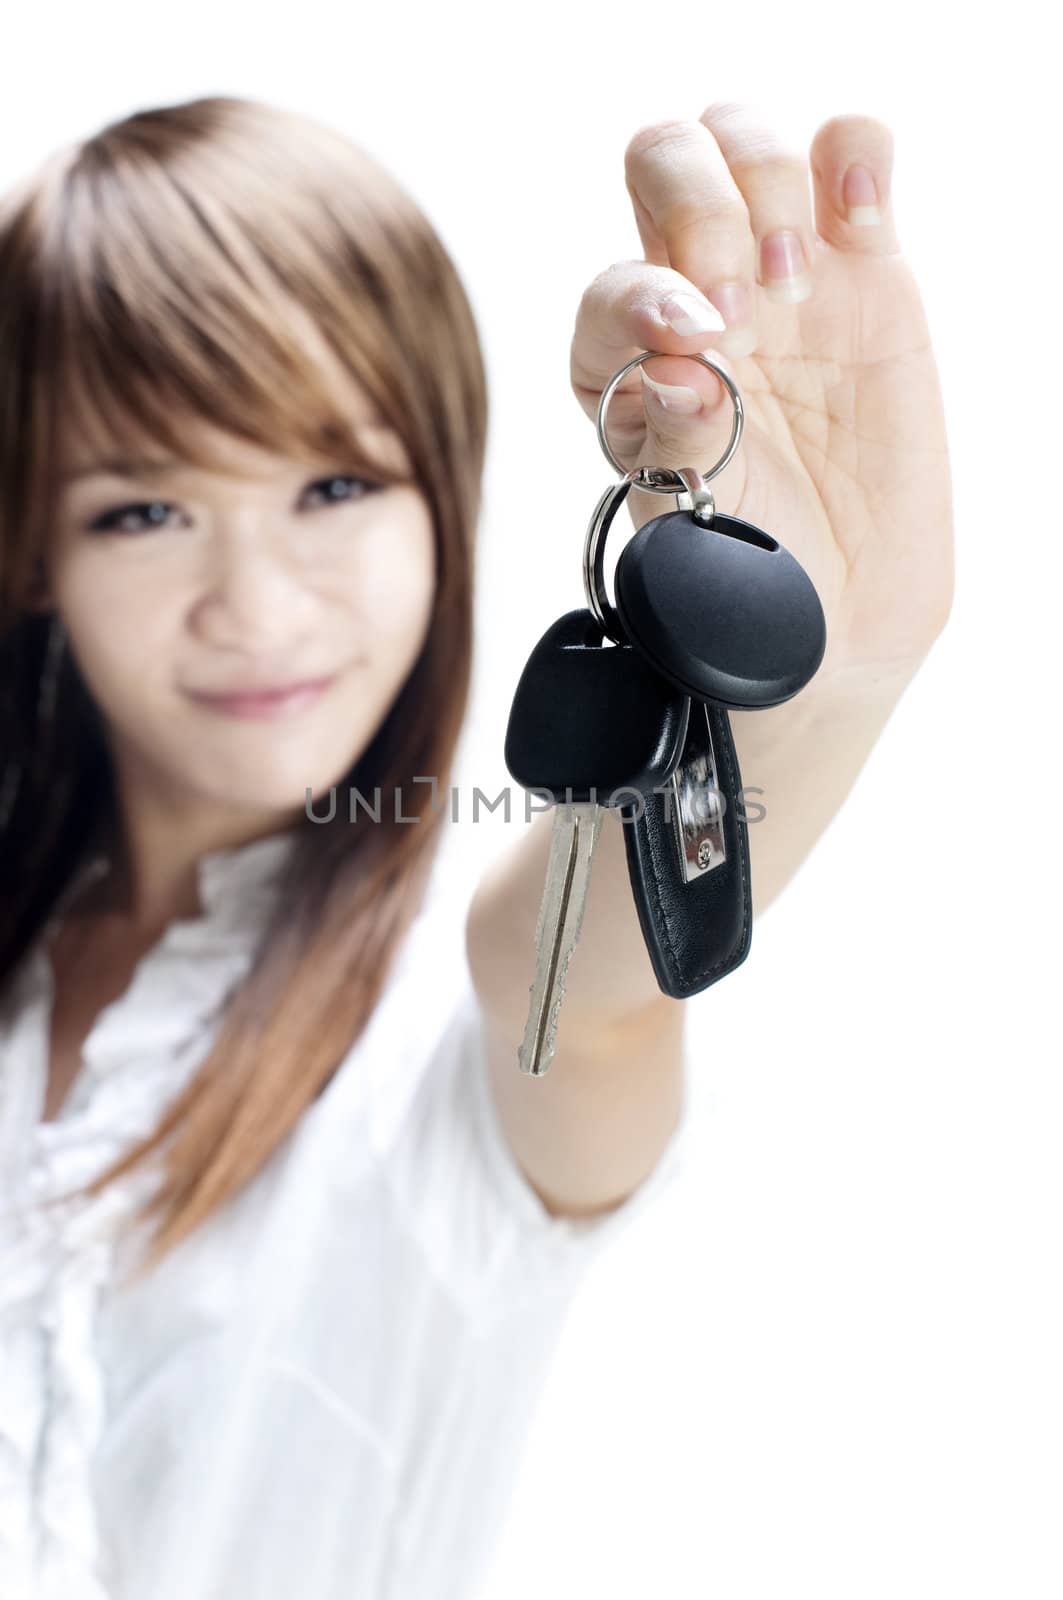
(229, 261)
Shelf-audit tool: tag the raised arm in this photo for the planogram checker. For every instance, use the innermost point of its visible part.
(844, 460)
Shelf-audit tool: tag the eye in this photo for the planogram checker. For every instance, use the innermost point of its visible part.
(142, 515)
(335, 494)
(117, 520)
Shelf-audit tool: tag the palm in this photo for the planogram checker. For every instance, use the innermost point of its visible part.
(844, 456)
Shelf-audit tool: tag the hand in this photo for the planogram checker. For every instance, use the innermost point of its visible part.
(844, 456)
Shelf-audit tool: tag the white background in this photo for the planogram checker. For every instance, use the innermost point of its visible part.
(828, 1364)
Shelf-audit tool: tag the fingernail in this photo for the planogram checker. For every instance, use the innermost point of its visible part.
(735, 301)
(686, 313)
(861, 197)
(783, 268)
(672, 396)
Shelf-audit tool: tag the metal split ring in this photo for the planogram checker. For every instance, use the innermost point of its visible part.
(686, 483)
(662, 480)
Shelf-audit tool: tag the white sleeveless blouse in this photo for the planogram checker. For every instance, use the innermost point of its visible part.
(323, 1392)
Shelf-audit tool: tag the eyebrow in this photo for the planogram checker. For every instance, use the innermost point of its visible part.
(162, 466)
(122, 468)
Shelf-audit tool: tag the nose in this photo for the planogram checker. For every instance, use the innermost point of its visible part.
(254, 597)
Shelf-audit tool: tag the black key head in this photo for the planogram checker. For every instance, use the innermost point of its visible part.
(593, 721)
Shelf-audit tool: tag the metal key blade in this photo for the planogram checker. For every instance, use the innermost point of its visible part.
(572, 843)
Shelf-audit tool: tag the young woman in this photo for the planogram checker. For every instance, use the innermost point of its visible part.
(286, 1235)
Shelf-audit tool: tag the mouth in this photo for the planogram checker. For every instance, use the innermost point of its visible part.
(266, 703)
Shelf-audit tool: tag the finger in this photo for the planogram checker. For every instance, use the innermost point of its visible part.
(692, 217)
(772, 175)
(852, 172)
(634, 306)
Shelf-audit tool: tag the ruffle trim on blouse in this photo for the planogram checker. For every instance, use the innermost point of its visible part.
(57, 1253)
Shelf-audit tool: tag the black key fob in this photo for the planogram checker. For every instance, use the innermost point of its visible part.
(590, 720)
(722, 610)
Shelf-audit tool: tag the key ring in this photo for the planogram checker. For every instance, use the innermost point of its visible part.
(685, 481)
(662, 480)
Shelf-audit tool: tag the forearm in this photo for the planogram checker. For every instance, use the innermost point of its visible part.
(799, 762)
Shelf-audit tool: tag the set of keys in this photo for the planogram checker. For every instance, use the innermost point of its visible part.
(711, 614)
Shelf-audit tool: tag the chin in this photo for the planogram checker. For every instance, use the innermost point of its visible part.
(282, 784)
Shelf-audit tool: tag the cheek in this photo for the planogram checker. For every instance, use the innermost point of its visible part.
(394, 586)
(119, 634)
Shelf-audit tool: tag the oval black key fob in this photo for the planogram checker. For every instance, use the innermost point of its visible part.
(722, 610)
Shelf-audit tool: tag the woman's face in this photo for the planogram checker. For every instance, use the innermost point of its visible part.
(176, 584)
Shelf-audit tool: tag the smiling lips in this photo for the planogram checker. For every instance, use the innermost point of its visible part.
(266, 703)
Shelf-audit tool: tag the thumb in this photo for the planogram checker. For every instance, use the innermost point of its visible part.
(689, 417)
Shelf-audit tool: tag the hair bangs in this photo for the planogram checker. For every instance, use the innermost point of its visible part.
(152, 343)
